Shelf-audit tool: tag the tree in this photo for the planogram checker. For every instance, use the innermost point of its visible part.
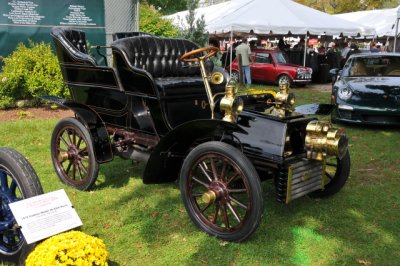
(344, 6)
(167, 7)
(195, 29)
(151, 21)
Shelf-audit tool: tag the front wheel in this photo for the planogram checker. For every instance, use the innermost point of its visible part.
(235, 76)
(73, 155)
(221, 191)
(284, 79)
(336, 173)
(18, 181)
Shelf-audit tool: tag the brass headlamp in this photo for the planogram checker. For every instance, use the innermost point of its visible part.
(322, 140)
(216, 78)
(229, 104)
(284, 102)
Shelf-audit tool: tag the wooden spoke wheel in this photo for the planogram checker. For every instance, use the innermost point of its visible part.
(221, 191)
(72, 154)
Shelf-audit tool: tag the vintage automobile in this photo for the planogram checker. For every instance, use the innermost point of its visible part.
(163, 103)
(18, 180)
(367, 90)
(272, 66)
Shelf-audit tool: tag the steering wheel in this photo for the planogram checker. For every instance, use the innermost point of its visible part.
(212, 51)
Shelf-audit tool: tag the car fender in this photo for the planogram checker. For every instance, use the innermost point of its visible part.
(92, 121)
(287, 73)
(315, 109)
(166, 159)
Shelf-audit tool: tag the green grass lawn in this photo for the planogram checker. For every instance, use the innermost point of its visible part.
(148, 225)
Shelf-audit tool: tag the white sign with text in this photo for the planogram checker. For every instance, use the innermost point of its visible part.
(45, 215)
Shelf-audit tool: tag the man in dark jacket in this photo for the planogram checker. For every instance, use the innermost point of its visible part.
(332, 57)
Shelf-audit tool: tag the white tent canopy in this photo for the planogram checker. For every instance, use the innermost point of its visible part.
(383, 20)
(210, 13)
(276, 16)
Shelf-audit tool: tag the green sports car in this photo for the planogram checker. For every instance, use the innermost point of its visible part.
(367, 90)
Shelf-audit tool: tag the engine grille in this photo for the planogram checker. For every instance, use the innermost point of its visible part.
(299, 179)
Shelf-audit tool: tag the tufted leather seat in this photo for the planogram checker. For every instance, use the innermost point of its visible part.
(121, 35)
(78, 68)
(157, 60)
(71, 46)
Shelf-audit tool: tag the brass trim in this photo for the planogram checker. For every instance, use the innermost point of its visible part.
(209, 197)
(207, 87)
(323, 181)
(289, 185)
(63, 156)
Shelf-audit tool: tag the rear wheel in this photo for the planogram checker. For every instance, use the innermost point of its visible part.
(221, 191)
(337, 172)
(73, 155)
(18, 180)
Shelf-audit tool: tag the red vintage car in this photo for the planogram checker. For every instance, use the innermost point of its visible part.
(272, 66)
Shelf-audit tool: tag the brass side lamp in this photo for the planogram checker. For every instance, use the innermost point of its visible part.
(229, 104)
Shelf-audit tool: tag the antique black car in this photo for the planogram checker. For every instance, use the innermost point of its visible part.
(164, 103)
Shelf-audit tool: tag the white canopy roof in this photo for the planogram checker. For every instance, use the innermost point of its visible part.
(276, 16)
(210, 13)
(383, 20)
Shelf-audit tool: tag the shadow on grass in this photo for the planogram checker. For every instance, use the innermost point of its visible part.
(342, 229)
(337, 230)
(116, 174)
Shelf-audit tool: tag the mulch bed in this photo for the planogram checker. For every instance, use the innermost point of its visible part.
(34, 113)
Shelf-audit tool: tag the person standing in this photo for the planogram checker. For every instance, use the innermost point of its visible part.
(332, 56)
(373, 48)
(244, 50)
(353, 50)
(344, 53)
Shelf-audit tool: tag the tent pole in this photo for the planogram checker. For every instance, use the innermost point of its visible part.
(395, 35)
(386, 44)
(231, 46)
(305, 50)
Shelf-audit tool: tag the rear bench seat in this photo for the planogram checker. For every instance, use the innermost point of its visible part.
(147, 64)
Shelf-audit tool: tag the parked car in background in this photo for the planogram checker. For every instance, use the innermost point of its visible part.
(367, 90)
(272, 66)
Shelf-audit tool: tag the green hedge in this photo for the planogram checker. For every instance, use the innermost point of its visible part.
(28, 72)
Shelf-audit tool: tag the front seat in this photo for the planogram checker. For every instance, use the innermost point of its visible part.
(358, 69)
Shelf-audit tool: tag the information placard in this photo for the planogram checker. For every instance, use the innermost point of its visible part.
(45, 215)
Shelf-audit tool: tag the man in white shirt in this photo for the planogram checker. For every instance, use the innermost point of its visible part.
(244, 50)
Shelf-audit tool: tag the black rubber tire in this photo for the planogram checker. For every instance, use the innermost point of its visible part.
(74, 126)
(282, 78)
(19, 170)
(339, 179)
(236, 161)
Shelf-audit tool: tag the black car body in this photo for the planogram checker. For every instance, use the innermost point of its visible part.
(367, 90)
(156, 105)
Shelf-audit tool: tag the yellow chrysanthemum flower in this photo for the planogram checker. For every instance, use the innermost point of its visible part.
(70, 248)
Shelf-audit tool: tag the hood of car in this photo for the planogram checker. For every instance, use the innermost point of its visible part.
(293, 65)
(375, 92)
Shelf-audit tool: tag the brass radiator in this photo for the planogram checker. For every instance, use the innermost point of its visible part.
(298, 179)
